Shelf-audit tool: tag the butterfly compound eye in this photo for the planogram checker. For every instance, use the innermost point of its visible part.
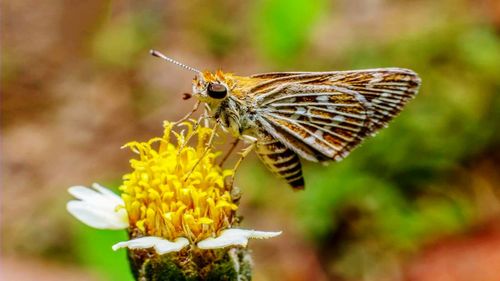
(216, 91)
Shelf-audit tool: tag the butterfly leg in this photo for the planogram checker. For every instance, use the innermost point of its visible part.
(205, 151)
(243, 154)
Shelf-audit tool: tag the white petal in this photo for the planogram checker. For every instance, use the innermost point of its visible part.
(98, 207)
(161, 245)
(236, 237)
(98, 217)
(110, 195)
(87, 194)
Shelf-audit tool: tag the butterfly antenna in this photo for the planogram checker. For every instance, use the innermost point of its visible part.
(162, 56)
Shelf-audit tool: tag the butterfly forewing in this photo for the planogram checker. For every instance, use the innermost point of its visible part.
(323, 116)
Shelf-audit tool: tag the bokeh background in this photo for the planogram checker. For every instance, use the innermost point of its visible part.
(418, 202)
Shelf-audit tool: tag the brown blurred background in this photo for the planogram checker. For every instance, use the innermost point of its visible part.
(418, 202)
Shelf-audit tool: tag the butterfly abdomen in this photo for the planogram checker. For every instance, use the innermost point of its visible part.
(281, 161)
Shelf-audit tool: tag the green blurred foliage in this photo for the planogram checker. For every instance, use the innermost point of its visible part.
(283, 28)
(382, 211)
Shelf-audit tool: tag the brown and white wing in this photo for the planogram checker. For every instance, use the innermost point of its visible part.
(323, 116)
(280, 160)
(319, 123)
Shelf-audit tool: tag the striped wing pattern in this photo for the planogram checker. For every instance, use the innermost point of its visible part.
(280, 160)
(323, 116)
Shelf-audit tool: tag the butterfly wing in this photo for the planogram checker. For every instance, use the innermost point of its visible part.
(323, 116)
(280, 160)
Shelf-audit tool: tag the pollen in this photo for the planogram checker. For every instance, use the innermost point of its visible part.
(176, 189)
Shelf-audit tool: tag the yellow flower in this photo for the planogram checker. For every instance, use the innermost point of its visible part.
(175, 189)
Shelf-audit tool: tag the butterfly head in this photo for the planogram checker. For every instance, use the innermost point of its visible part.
(212, 88)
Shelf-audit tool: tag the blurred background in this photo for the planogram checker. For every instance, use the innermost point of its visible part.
(418, 202)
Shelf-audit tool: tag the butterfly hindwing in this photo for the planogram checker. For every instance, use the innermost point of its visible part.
(280, 160)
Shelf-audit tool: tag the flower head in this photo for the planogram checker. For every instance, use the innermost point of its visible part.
(177, 190)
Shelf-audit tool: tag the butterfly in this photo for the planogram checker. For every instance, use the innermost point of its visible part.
(317, 116)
